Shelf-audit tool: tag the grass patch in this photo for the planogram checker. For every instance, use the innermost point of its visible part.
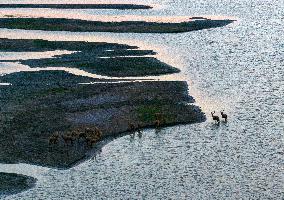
(54, 91)
(146, 113)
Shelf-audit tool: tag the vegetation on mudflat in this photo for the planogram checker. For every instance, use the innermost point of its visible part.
(39, 104)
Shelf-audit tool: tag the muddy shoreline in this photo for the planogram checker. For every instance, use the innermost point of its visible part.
(77, 25)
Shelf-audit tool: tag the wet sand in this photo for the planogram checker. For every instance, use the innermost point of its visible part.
(77, 25)
(14, 183)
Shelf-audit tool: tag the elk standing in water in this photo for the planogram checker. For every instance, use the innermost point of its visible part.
(224, 116)
(215, 117)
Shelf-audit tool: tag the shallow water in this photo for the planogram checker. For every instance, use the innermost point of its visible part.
(238, 68)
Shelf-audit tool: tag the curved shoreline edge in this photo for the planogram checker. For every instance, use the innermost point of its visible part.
(78, 25)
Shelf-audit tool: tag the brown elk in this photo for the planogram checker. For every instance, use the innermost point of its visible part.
(131, 126)
(157, 123)
(68, 138)
(215, 117)
(54, 138)
(91, 140)
(98, 132)
(159, 118)
(92, 136)
(224, 116)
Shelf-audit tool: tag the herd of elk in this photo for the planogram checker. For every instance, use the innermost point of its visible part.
(91, 136)
(217, 119)
(158, 121)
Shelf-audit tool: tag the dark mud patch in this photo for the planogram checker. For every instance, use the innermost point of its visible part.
(77, 25)
(108, 59)
(11, 183)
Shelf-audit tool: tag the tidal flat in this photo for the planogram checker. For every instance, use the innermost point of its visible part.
(110, 59)
(45, 112)
(238, 68)
(41, 108)
(78, 25)
(37, 104)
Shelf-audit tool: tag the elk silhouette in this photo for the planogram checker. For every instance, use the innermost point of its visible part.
(131, 127)
(224, 116)
(215, 117)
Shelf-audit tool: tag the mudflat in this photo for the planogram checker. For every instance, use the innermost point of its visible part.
(108, 59)
(78, 25)
(38, 104)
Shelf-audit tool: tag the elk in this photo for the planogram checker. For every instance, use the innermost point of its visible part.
(131, 126)
(82, 135)
(215, 117)
(224, 116)
(157, 123)
(92, 136)
(68, 138)
(54, 138)
(139, 128)
(159, 118)
(92, 140)
(98, 132)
